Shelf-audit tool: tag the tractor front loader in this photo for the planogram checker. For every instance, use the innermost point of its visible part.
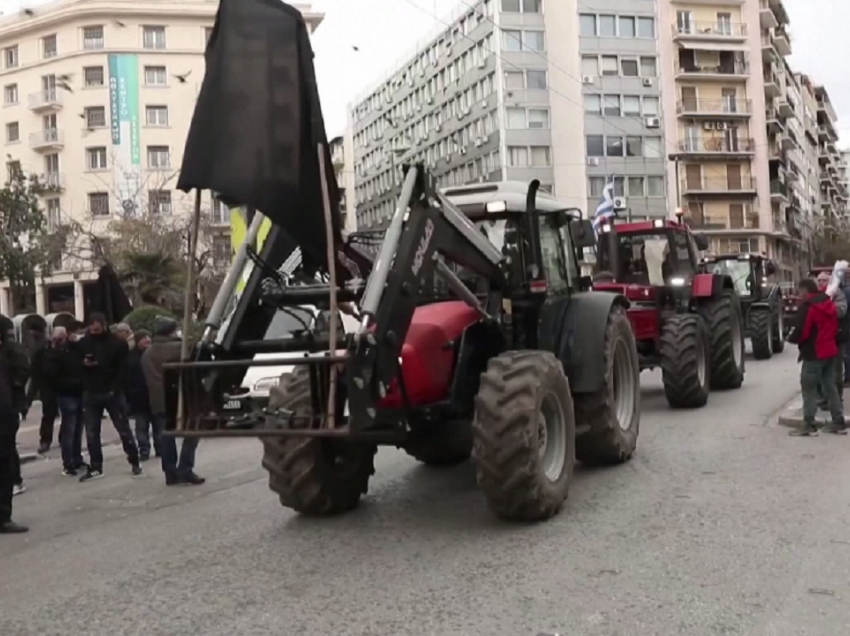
(477, 337)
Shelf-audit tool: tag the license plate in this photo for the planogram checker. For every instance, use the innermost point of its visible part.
(233, 405)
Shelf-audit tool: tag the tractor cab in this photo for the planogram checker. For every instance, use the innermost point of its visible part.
(749, 273)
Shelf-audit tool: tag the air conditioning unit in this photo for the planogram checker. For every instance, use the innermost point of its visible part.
(479, 142)
(647, 81)
(438, 128)
(463, 150)
(653, 122)
(720, 125)
(483, 103)
(592, 161)
(587, 79)
(620, 203)
(389, 99)
(430, 99)
(708, 125)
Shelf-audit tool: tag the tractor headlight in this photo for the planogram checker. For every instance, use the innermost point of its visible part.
(678, 281)
(265, 384)
(497, 206)
(658, 223)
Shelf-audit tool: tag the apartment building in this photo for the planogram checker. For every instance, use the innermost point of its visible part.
(97, 99)
(342, 155)
(495, 94)
(833, 193)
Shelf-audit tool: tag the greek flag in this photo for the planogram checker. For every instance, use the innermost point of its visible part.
(605, 209)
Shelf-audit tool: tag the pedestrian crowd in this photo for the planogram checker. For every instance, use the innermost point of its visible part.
(821, 331)
(79, 374)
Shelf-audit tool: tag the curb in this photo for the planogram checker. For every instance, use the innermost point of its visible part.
(792, 414)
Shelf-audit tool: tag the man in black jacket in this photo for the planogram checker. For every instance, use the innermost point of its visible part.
(39, 387)
(9, 465)
(104, 365)
(18, 366)
(63, 371)
(138, 401)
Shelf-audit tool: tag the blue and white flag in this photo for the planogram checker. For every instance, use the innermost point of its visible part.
(605, 209)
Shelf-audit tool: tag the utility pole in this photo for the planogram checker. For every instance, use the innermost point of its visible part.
(674, 157)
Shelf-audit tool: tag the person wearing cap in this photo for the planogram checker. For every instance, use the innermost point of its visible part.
(9, 422)
(166, 347)
(104, 365)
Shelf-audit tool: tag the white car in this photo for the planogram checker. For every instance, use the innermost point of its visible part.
(258, 381)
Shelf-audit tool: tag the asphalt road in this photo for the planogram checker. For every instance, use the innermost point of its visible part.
(721, 524)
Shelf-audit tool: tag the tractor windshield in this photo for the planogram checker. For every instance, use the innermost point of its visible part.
(740, 272)
(641, 259)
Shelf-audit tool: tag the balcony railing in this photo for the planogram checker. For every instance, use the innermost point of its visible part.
(767, 17)
(730, 69)
(718, 145)
(47, 138)
(711, 30)
(778, 189)
(730, 107)
(52, 180)
(42, 100)
(782, 41)
(719, 184)
(734, 222)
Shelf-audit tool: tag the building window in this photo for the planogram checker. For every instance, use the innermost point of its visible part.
(646, 27)
(156, 115)
(219, 214)
(537, 80)
(627, 26)
(526, 6)
(650, 106)
(614, 146)
(155, 76)
(636, 187)
(48, 46)
(611, 105)
(538, 118)
(533, 41)
(592, 104)
(159, 201)
(610, 65)
(590, 65)
(10, 57)
(587, 24)
(10, 94)
(54, 215)
(648, 67)
(596, 185)
(221, 251)
(516, 118)
(159, 157)
(518, 156)
(13, 133)
(153, 37)
(541, 156)
(595, 146)
(652, 147)
(95, 116)
(607, 26)
(630, 67)
(655, 186)
(631, 106)
(93, 76)
(99, 203)
(13, 168)
(92, 38)
(634, 147)
(514, 80)
(511, 40)
(207, 35)
(96, 158)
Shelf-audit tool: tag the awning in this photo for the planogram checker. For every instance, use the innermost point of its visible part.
(714, 46)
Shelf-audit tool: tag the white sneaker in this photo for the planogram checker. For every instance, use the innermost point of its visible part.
(18, 489)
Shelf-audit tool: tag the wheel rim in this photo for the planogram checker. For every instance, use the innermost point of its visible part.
(702, 362)
(624, 386)
(737, 340)
(781, 325)
(552, 436)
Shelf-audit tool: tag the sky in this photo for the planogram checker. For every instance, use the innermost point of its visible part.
(385, 31)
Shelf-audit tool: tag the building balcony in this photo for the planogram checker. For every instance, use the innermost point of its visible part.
(735, 223)
(720, 186)
(782, 41)
(784, 108)
(717, 147)
(778, 191)
(47, 139)
(717, 72)
(767, 18)
(775, 152)
(789, 141)
(52, 181)
(715, 108)
(772, 82)
(775, 123)
(826, 112)
(42, 101)
(710, 32)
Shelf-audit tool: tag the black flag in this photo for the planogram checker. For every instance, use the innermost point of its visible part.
(258, 122)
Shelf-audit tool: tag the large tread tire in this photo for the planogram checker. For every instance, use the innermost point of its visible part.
(761, 333)
(441, 443)
(614, 424)
(778, 344)
(685, 366)
(313, 476)
(507, 435)
(721, 316)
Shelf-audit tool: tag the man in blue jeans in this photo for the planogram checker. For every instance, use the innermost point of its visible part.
(104, 365)
(63, 373)
(165, 347)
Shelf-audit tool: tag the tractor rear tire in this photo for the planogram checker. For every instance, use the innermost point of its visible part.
(726, 333)
(613, 412)
(441, 443)
(685, 361)
(778, 344)
(761, 333)
(524, 435)
(313, 476)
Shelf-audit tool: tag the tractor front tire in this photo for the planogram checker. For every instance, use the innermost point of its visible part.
(725, 323)
(314, 476)
(778, 343)
(685, 366)
(441, 443)
(761, 333)
(613, 412)
(524, 435)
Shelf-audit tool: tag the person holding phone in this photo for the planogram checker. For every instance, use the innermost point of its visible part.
(104, 366)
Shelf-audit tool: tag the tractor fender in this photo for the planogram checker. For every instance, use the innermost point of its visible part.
(710, 285)
(578, 337)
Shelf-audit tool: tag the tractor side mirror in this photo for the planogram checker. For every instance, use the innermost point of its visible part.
(701, 241)
(769, 268)
(582, 232)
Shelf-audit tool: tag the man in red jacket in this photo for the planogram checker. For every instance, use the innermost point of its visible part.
(814, 333)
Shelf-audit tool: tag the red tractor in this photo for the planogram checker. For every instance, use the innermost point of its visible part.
(686, 321)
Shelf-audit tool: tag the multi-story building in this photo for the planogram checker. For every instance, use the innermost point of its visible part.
(97, 99)
(342, 155)
(833, 194)
(495, 94)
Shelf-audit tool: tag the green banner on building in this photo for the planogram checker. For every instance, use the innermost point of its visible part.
(124, 116)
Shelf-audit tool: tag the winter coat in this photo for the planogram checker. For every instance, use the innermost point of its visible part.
(816, 328)
(110, 353)
(135, 385)
(63, 369)
(17, 359)
(8, 409)
(163, 349)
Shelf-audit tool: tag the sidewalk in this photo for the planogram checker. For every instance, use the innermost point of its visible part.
(792, 415)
